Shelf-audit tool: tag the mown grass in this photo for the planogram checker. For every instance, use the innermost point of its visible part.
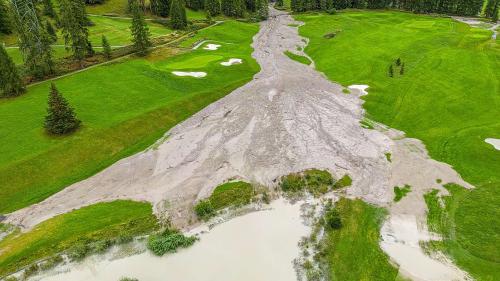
(448, 98)
(298, 58)
(94, 223)
(226, 195)
(124, 108)
(353, 251)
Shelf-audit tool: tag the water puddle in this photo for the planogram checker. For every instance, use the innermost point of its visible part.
(257, 246)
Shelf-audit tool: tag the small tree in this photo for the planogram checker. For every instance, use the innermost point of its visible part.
(178, 15)
(391, 71)
(10, 81)
(279, 3)
(106, 48)
(60, 117)
(398, 62)
(212, 7)
(48, 9)
(74, 23)
(262, 9)
(5, 24)
(402, 70)
(90, 49)
(494, 17)
(51, 31)
(140, 30)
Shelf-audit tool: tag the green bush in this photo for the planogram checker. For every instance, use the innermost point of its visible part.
(293, 183)
(168, 241)
(332, 219)
(204, 209)
(343, 182)
(79, 251)
(51, 262)
(400, 192)
(318, 181)
(128, 279)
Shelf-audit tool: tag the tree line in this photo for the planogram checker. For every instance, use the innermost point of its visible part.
(451, 7)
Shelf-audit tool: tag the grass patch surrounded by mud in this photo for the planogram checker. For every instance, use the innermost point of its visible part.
(226, 195)
(298, 58)
(447, 97)
(401, 192)
(313, 181)
(124, 108)
(76, 232)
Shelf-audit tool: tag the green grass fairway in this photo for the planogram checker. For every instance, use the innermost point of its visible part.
(118, 7)
(124, 108)
(93, 223)
(353, 251)
(448, 97)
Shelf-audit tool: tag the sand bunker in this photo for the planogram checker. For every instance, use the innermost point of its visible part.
(494, 142)
(360, 88)
(211, 47)
(192, 74)
(231, 62)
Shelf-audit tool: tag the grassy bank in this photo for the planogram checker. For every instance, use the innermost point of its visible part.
(447, 97)
(124, 108)
(100, 222)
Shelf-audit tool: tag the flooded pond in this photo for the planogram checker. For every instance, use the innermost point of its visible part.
(257, 246)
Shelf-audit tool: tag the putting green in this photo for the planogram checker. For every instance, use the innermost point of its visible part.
(195, 62)
(448, 97)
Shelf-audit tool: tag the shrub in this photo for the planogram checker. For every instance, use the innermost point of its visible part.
(332, 219)
(293, 183)
(128, 279)
(318, 181)
(79, 251)
(168, 241)
(51, 262)
(400, 192)
(331, 11)
(204, 209)
(343, 182)
(102, 245)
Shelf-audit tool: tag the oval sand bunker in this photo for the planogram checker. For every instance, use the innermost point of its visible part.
(494, 142)
(361, 88)
(211, 47)
(231, 62)
(192, 74)
(257, 246)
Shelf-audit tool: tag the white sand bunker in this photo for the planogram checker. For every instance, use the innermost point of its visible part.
(192, 74)
(231, 62)
(361, 88)
(211, 47)
(494, 142)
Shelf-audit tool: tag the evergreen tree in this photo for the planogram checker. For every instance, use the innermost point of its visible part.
(251, 5)
(398, 62)
(48, 9)
(10, 81)
(178, 15)
(140, 30)
(106, 48)
(391, 71)
(195, 4)
(90, 49)
(74, 26)
(60, 118)
(34, 42)
(279, 3)
(233, 8)
(160, 7)
(402, 70)
(5, 25)
(494, 16)
(51, 32)
(262, 9)
(212, 7)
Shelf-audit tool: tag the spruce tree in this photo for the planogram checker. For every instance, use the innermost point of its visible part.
(51, 32)
(178, 15)
(212, 7)
(279, 3)
(34, 42)
(60, 118)
(10, 82)
(262, 9)
(494, 15)
(48, 9)
(233, 8)
(398, 62)
(391, 71)
(90, 49)
(402, 70)
(106, 48)
(160, 7)
(74, 26)
(140, 30)
(5, 24)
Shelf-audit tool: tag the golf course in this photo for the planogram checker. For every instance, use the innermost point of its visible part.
(249, 140)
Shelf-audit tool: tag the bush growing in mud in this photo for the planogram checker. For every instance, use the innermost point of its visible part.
(314, 181)
(293, 183)
(204, 209)
(343, 182)
(168, 241)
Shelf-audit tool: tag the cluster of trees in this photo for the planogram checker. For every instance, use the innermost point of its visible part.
(455, 7)
(399, 64)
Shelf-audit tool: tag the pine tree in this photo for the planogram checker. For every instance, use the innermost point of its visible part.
(51, 31)
(140, 30)
(212, 7)
(106, 48)
(10, 82)
(160, 7)
(279, 3)
(178, 15)
(391, 71)
(5, 24)
(74, 27)
(398, 61)
(48, 9)
(34, 42)
(60, 118)
(90, 49)
(233, 8)
(494, 14)
(402, 70)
